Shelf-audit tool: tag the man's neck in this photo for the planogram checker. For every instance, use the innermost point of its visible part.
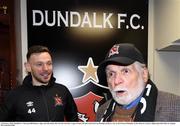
(132, 104)
(35, 83)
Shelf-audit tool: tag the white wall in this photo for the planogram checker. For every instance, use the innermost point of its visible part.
(164, 26)
(21, 37)
(167, 71)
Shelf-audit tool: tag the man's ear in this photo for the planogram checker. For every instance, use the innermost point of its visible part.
(145, 74)
(27, 66)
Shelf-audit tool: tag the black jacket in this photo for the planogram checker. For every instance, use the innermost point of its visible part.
(53, 102)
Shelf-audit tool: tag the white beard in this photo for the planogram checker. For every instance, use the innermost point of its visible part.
(130, 95)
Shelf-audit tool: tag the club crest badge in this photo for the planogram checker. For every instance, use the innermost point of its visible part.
(85, 95)
(114, 50)
(58, 101)
(87, 106)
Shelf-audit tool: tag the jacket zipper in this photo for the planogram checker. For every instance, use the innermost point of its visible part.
(45, 103)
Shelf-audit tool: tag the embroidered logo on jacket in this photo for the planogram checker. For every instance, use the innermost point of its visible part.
(58, 100)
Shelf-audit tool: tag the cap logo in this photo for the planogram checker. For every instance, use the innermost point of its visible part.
(114, 50)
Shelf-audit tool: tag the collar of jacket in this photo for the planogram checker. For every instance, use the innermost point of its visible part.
(28, 81)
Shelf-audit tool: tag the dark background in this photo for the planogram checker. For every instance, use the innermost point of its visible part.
(71, 48)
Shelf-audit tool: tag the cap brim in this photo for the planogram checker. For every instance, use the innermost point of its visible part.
(124, 61)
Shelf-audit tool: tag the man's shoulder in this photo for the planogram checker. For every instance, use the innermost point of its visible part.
(58, 85)
(102, 109)
(166, 95)
(104, 106)
(106, 103)
(167, 99)
(15, 93)
(61, 87)
(167, 107)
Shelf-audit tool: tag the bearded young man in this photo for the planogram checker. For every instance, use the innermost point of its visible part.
(39, 98)
(134, 96)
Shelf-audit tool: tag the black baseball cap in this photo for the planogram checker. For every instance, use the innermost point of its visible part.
(121, 54)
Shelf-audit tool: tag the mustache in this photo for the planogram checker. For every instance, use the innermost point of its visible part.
(119, 89)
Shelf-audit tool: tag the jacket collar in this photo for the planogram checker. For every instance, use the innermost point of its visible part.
(28, 81)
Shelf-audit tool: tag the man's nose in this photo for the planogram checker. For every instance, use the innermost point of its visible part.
(118, 79)
(45, 67)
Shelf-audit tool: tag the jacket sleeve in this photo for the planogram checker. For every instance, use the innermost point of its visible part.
(6, 109)
(71, 108)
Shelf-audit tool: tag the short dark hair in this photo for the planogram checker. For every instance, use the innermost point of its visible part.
(37, 49)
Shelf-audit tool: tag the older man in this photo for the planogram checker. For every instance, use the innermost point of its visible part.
(134, 96)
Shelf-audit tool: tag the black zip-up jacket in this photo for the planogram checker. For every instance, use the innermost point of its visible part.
(53, 102)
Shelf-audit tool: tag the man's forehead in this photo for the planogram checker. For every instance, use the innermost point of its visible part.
(40, 56)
